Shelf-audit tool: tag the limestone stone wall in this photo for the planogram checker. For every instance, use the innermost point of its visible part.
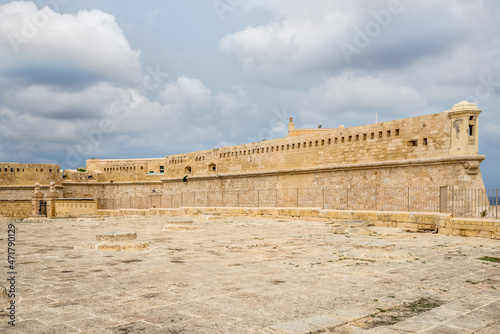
(111, 189)
(15, 192)
(22, 192)
(74, 207)
(29, 174)
(427, 151)
(83, 190)
(16, 209)
(439, 136)
(415, 138)
(127, 170)
(394, 186)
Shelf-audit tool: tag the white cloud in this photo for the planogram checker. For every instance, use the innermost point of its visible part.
(290, 46)
(187, 92)
(47, 101)
(74, 71)
(312, 36)
(350, 95)
(89, 40)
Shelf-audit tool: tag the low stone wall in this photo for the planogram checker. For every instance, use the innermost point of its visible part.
(16, 209)
(415, 221)
(484, 228)
(71, 207)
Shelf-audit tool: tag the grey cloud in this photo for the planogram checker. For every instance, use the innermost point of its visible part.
(63, 75)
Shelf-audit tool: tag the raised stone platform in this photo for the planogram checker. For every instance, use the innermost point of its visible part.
(180, 224)
(117, 242)
(183, 221)
(116, 236)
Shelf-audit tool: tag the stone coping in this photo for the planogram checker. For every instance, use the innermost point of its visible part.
(95, 183)
(27, 186)
(16, 200)
(75, 199)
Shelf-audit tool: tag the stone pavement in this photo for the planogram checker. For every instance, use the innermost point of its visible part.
(250, 275)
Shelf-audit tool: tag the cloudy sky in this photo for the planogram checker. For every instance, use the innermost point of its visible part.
(115, 79)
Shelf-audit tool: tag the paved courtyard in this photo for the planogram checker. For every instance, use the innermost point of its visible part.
(250, 275)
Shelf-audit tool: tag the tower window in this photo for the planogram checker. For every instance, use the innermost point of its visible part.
(471, 130)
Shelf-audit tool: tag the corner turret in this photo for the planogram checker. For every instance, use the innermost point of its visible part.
(464, 131)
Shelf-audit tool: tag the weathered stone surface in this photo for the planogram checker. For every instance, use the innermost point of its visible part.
(352, 230)
(134, 246)
(118, 246)
(117, 242)
(116, 236)
(249, 277)
(183, 221)
(109, 246)
(4, 300)
(24, 174)
(178, 227)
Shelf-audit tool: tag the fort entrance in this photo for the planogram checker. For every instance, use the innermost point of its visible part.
(43, 208)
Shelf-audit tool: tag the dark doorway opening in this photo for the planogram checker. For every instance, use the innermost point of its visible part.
(43, 208)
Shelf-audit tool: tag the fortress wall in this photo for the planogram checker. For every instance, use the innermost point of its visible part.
(74, 207)
(241, 189)
(15, 192)
(29, 174)
(15, 209)
(442, 135)
(83, 190)
(415, 138)
(21, 192)
(129, 189)
(110, 189)
(127, 170)
(431, 173)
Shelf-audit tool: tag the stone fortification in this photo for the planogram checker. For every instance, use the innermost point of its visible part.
(122, 170)
(435, 150)
(29, 174)
(438, 149)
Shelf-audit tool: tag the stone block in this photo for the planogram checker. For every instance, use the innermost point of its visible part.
(109, 247)
(446, 231)
(183, 221)
(470, 233)
(485, 234)
(116, 236)
(133, 246)
(178, 227)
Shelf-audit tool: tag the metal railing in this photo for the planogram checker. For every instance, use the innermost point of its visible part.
(473, 203)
